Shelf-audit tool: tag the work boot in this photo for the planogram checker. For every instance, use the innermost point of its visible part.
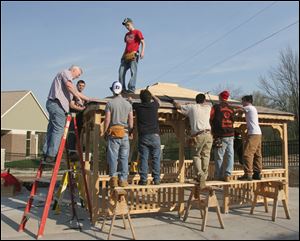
(256, 176)
(156, 182)
(123, 183)
(245, 178)
(227, 178)
(113, 182)
(202, 184)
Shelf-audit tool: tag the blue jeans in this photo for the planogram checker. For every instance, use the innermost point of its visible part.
(132, 65)
(219, 153)
(149, 144)
(117, 153)
(55, 130)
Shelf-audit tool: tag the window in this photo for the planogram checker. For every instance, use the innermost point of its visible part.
(28, 139)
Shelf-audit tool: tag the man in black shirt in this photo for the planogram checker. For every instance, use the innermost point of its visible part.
(148, 136)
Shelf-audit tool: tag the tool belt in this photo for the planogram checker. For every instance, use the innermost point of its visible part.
(192, 140)
(201, 132)
(116, 131)
(131, 56)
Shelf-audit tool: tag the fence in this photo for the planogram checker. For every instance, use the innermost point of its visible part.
(271, 152)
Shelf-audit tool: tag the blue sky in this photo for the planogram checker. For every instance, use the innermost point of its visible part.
(38, 39)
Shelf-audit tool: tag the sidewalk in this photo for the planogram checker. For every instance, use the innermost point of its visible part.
(239, 224)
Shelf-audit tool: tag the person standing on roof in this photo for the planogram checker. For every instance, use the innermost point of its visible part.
(130, 57)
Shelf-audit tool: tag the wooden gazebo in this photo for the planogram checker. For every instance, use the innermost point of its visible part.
(175, 172)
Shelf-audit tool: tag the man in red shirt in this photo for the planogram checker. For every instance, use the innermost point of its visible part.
(133, 39)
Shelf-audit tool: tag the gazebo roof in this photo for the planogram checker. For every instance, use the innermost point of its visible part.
(184, 95)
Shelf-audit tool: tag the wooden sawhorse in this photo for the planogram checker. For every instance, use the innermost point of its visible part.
(119, 207)
(278, 193)
(206, 199)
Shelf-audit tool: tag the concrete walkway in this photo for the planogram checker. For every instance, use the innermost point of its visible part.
(239, 224)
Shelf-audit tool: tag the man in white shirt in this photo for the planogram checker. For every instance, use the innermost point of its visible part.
(199, 115)
(252, 151)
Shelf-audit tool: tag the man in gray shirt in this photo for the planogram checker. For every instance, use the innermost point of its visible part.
(199, 114)
(118, 126)
(61, 93)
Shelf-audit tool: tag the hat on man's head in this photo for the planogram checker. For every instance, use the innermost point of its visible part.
(224, 95)
(116, 87)
(127, 20)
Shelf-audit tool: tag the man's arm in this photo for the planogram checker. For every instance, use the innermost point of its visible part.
(130, 124)
(156, 99)
(143, 49)
(83, 97)
(107, 121)
(76, 107)
(177, 105)
(71, 88)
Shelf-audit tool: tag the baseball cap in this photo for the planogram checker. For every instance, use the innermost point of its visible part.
(116, 87)
(224, 95)
(127, 20)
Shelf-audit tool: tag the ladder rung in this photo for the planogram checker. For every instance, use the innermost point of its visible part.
(31, 215)
(43, 179)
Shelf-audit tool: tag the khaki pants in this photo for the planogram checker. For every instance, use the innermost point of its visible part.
(252, 155)
(203, 144)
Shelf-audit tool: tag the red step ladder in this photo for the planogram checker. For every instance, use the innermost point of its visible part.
(39, 178)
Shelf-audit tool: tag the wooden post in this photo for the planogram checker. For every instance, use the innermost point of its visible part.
(95, 168)
(181, 171)
(285, 158)
(85, 137)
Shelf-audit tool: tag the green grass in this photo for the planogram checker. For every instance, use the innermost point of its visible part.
(29, 163)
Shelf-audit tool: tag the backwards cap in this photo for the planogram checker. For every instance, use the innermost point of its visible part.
(116, 87)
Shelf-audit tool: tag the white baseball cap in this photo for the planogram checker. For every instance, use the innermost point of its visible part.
(116, 87)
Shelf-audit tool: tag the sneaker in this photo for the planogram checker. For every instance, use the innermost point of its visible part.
(245, 178)
(256, 176)
(123, 183)
(156, 182)
(113, 182)
(142, 183)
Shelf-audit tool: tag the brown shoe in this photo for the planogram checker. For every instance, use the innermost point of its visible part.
(123, 183)
(113, 182)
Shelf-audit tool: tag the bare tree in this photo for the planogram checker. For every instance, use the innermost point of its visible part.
(260, 99)
(235, 92)
(282, 84)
